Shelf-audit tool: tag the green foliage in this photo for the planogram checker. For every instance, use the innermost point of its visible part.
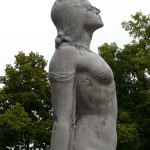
(128, 137)
(42, 131)
(131, 71)
(139, 26)
(14, 123)
(27, 84)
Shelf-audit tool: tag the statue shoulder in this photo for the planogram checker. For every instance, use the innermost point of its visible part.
(65, 55)
(68, 52)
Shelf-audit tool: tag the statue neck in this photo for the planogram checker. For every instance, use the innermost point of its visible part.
(85, 39)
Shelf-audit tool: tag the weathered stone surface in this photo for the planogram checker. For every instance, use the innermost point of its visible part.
(82, 84)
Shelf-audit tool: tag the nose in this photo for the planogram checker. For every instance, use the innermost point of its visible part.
(97, 11)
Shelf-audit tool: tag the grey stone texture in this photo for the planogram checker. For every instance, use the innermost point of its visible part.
(82, 84)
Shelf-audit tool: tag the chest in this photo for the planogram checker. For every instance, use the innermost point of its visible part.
(95, 66)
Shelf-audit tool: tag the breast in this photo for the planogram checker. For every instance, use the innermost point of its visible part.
(102, 73)
(95, 66)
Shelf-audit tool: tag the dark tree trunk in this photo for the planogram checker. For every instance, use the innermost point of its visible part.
(27, 144)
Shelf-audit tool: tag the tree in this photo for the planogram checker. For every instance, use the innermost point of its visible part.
(27, 84)
(131, 70)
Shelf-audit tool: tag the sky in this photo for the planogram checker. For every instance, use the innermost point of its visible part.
(25, 25)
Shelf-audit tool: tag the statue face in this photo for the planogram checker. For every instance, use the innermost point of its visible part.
(92, 18)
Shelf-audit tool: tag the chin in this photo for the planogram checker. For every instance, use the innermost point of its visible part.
(93, 25)
(101, 24)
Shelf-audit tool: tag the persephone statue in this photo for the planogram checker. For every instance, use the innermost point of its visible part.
(82, 84)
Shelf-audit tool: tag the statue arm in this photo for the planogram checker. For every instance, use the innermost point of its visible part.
(62, 76)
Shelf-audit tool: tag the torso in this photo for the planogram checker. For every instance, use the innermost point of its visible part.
(96, 106)
(95, 101)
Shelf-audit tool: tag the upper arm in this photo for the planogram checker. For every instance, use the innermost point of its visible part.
(62, 75)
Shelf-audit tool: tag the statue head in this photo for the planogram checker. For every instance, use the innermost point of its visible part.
(71, 17)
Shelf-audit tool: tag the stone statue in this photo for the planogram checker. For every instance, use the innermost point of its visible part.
(82, 84)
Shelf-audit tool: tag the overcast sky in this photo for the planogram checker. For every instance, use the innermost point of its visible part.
(25, 25)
